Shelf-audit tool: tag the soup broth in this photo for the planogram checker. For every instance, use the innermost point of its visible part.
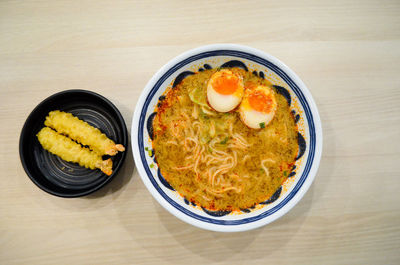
(213, 159)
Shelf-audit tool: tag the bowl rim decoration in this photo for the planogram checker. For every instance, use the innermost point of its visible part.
(218, 222)
(25, 134)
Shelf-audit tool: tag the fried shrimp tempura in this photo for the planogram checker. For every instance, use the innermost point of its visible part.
(82, 132)
(70, 151)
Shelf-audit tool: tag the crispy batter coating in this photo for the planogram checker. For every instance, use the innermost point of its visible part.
(80, 131)
(70, 151)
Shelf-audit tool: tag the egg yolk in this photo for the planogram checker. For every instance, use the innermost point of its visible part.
(260, 102)
(226, 84)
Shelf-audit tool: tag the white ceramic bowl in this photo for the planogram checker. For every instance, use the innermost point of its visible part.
(288, 84)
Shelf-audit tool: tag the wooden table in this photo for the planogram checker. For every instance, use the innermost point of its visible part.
(348, 54)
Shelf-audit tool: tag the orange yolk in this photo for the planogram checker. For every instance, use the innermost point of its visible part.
(226, 84)
(260, 102)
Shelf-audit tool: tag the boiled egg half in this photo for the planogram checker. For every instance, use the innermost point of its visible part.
(258, 106)
(225, 90)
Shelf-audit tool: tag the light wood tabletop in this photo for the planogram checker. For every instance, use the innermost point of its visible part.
(346, 52)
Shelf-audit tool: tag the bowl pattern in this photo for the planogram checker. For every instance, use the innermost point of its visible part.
(231, 58)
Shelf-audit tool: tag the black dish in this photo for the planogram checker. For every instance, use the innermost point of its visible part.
(48, 171)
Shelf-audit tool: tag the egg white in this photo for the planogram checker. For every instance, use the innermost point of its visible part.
(254, 119)
(222, 103)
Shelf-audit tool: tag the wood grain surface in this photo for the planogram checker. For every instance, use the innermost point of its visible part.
(347, 53)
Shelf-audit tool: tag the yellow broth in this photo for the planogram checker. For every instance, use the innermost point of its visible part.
(213, 159)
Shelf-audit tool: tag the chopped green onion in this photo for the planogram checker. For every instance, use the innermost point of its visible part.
(285, 173)
(146, 148)
(204, 116)
(262, 125)
(151, 165)
(225, 140)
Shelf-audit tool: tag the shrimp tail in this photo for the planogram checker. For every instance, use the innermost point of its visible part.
(105, 166)
(113, 149)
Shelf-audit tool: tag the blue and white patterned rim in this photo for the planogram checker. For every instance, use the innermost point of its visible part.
(294, 88)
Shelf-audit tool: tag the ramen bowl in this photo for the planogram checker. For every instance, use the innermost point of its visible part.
(286, 82)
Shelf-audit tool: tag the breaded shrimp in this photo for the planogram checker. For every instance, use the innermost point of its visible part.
(80, 131)
(70, 151)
